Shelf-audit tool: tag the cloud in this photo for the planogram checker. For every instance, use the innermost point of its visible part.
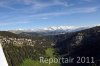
(35, 5)
(27, 2)
(85, 10)
(11, 23)
(44, 18)
(88, 0)
(37, 10)
(67, 12)
(6, 4)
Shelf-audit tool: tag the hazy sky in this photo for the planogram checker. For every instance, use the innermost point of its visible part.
(32, 14)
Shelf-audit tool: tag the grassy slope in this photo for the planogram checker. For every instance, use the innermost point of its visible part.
(29, 62)
(49, 53)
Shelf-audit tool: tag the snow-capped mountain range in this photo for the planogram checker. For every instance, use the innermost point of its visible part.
(61, 28)
(53, 30)
(66, 28)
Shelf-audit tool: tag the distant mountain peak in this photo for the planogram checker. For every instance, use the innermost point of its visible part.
(60, 28)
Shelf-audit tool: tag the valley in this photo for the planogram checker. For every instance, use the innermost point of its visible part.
(25, 50)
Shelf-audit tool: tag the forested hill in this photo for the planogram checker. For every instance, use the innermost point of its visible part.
(19, 48)
(7, 34)
(85, 43)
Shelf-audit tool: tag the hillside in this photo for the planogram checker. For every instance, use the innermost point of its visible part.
(22, 50)
(7, 34)
(18, 48)
(85, 43)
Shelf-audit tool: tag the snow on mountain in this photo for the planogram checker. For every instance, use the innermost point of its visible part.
(18, 31)
(61, 28)
(53, 30)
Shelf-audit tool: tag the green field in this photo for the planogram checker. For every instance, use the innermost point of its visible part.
(49, 53)
(29, 62)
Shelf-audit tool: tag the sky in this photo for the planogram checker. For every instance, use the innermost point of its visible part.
(35, 14)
